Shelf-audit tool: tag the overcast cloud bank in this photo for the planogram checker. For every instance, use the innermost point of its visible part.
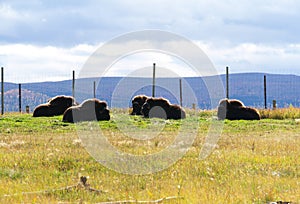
(46, 40)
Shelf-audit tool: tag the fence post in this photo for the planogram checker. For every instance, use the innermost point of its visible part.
(73, 84)
(180, 91)
(194, 106)
(153, 81)
(265, 91)
(27, 109)
(94, 89)
(2, 90)
(20, 98)
(227, 82)
(274, 105)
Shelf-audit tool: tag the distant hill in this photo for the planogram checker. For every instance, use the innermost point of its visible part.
(29, 98)
(118, 91)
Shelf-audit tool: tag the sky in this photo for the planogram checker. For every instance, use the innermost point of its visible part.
(46, 40)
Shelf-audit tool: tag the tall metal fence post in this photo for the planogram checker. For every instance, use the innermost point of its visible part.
(180, 91)
(227, 82)
(94, 89)
(153, 81)
(73, 84)
(20, 98)
(2, 90)
(265, 91)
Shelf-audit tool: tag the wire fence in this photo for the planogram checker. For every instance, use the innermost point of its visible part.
(248, 88)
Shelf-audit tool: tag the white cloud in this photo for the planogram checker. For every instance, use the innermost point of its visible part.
(77, 22)
(27, 63)
(140, 64)
(49, 39)
(250, 57)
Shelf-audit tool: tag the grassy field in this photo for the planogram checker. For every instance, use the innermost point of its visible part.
(254, 162)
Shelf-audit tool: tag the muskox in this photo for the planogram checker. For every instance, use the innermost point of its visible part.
(55, 106)
(137, 103)
(88, 110)
(161, 108)
(235, 110)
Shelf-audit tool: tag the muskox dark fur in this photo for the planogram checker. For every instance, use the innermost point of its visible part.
(137, 103)
(236, 103)
(235, 110)
(161, 108)
(89, 110)
(55, 106)
(176, 112)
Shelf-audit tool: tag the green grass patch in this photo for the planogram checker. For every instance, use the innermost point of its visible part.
(253, 162)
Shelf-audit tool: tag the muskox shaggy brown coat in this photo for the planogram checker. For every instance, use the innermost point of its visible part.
(89, 110)
(235, 110)
(137, 103)
(161, 108)
(55, 106)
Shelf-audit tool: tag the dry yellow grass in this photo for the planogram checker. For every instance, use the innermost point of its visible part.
(281, 113)
(254, 162)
